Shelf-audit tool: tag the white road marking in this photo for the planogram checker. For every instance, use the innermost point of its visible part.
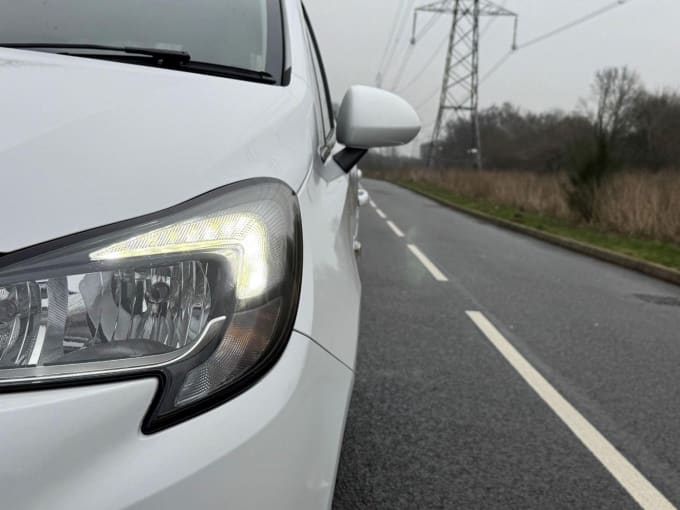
(434, 270)
(372, 204)
(381, 214)
(395, 229)
(640, 489)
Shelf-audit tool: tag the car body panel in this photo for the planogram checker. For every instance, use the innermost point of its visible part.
(275, 446)
(331, 287)
(88, 143)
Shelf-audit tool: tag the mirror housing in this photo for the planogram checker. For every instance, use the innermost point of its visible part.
(370, 118)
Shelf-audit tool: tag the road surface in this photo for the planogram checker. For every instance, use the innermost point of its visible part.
(498, 371)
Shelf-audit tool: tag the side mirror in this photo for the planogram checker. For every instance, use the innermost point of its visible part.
(370, 118)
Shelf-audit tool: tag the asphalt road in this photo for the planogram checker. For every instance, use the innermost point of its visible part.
(439, 416)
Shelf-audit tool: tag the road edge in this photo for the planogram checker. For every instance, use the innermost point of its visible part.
(641, 266)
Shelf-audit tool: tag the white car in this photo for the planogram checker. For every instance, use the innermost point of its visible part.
(179, 296)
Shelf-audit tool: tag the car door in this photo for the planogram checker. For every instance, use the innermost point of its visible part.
(326, 123)
(329, 203)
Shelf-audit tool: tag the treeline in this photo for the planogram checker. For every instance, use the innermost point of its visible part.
(641, 129)
(622, 125)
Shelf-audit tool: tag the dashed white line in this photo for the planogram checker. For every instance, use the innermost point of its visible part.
(395, 229)
(640, 489)
(434, 270)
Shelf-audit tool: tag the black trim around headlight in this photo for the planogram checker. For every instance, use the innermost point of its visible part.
(66, 255)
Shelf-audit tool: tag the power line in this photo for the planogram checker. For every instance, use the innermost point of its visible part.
(492, 20)
(428, 63)
(496, 67)
(430, 96)
(404, 19)
(418, 36)
(556, 31)
(572, 24)
(409, 53)
(393, 32)
(404, 63)
(428, 26)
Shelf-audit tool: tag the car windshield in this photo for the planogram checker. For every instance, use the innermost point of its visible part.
(243, 34)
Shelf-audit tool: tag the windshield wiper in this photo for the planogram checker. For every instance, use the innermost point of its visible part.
(160, 55)
(174, 59)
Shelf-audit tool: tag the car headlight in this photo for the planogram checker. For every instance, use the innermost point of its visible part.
(202, 296)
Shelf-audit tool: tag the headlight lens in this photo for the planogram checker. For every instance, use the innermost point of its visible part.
(202, 295)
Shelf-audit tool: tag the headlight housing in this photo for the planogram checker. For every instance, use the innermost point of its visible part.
(202, 296)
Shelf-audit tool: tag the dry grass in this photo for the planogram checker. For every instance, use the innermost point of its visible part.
(526, 191)
(639, 203)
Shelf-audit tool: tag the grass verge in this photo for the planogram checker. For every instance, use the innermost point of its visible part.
(657, 252)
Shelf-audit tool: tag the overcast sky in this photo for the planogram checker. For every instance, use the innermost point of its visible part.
(643, 34)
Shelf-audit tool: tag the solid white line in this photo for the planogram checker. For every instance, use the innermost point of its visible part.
(381, 214)
(395, 229)
(434, 270)
(640, 489)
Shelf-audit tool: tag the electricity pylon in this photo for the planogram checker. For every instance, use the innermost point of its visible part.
(460, 85)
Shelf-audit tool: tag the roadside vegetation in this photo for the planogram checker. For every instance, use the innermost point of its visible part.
(607, 174)
(533, 201)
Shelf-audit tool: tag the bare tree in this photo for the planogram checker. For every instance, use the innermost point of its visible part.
(615, 91)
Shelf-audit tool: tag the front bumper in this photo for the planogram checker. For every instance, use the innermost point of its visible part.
(275, 446)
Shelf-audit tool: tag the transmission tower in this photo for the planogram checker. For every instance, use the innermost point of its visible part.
(460, 85)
